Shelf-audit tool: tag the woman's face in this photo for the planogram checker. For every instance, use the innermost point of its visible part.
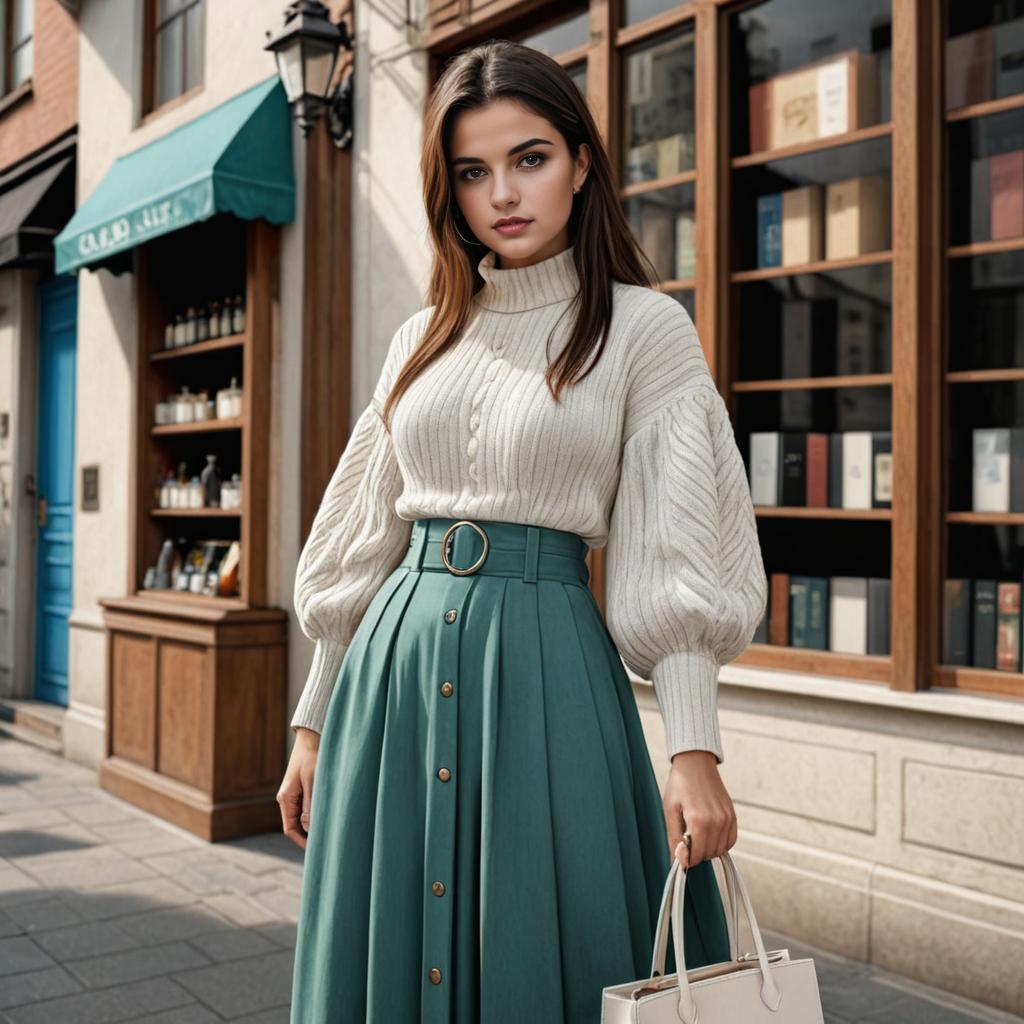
(508, 162)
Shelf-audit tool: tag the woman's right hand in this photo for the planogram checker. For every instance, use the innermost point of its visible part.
(296, 792)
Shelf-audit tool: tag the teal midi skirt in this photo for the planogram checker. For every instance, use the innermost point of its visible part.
(486, 842)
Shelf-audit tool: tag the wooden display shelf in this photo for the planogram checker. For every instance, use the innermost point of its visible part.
(197, 426)
(986, 518)
(997, 106)
(850, 380)
(868, 668)
(818, 267)
(821, 512)
(225, 513)
(967, 678)
(639, 188)
(985, 376)
(995, 245)
(198, 348)
(678, 284)
(764, 156)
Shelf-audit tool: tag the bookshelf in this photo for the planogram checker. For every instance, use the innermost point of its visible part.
(881, 338)
(983, 358)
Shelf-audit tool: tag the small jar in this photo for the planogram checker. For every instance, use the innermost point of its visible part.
(225, 318)
(238, 316)
(202, 324)
(213, 329)
(179, 330)
(190, 326)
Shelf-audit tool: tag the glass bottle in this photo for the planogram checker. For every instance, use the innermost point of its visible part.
(211, 481)
(179, 330)
(238, 316)
(202, 324)
(169, 334)
(214, 327)
(190, 325)
(225, 318)
(195, 493)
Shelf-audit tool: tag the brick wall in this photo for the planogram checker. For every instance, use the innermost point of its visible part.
(52, 106)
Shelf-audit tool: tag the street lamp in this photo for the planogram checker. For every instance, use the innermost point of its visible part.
(307, 50)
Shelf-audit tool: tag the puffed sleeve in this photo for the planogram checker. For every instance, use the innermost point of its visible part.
(355, 542)
(686, 580)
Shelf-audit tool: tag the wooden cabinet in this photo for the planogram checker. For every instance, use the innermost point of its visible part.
(885, 142)
(197, 683)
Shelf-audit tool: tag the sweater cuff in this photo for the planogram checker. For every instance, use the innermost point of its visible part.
(311, 710)
(686, 686)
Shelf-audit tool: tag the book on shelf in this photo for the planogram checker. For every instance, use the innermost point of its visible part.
(769, 230)
(657, 237)
(828, 97)
(845, 469)
(985, 624)
(969, 68)
(981, 200)
(957, 600)
(660, 158)
(802, 225)
(686, 245)
(1006, 192)
(997, 469)
(809, 330)
(1008, 58)
(1008, 626)
(858, 219)
(842, 614)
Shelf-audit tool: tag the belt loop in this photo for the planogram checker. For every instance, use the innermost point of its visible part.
(532, 552)
(420, 530)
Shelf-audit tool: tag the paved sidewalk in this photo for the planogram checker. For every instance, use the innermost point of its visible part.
(108, 914)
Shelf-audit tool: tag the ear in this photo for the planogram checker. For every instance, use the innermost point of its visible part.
(583, 160)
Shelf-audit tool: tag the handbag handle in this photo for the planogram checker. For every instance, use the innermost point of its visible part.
(675, 885)
(732, 922)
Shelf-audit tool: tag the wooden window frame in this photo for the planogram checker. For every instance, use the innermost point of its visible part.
(918, 519)
(151, 60)
(7, 85)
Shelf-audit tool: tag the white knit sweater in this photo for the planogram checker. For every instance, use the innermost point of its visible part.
(641, 455)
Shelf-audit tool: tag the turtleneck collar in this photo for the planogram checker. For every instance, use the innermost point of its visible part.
(516, 288)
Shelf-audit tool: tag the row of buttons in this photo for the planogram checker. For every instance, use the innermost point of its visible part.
(444, 774)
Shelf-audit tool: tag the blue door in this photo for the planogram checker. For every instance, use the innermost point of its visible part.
(55, 476)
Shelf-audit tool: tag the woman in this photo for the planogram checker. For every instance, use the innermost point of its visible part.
(487, 842)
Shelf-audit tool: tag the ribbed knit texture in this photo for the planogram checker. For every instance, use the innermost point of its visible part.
(640, 456)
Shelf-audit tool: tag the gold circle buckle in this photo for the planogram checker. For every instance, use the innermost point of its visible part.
(444, 548)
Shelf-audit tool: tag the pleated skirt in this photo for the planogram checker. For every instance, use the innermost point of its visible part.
(486, 843)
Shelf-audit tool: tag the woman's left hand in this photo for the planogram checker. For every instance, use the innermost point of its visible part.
(696, 801)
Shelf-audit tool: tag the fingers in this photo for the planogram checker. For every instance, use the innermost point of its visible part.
(290, 801)
(713, 832)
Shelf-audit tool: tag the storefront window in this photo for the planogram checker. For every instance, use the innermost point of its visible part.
(639, 10)
(659, 157)
(16, 26)
(565, 35)
(176, 48)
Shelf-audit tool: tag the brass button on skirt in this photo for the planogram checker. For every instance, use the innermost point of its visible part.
(547, 841)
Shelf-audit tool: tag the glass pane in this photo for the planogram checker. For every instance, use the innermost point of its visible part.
(664, 224)
(566, 35)
(22, 20)
(637, 10)
(826, 204)
(986, 311)
(578, 73)
(193, 46)
(986, 164)
(166, 8)
(169, 45)
(22, 64)
(816, 325)
(983, 52)
(803, 70)
(659, 136)
(688, 298)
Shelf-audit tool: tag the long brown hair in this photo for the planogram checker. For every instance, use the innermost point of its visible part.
(605, 248)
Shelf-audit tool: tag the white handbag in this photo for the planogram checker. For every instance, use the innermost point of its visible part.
(756, 988)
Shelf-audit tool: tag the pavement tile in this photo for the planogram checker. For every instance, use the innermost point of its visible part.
(242, 986)
(233, 944)
(34, 986)
(39, 915)
(171, 924)
(241, 910)
(86, 868)
(64, 837)
(133, 965)
(204, 872)
(126, 898)
(20, 953)
(78, 941)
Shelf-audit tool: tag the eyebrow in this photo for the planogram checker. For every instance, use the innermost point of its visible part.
(512, 152)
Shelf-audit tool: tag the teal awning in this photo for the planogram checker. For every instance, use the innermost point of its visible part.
(236, 158)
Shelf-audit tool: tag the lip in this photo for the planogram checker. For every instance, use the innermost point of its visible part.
(512, 226)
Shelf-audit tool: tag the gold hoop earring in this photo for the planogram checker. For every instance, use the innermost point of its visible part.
(455, 224)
